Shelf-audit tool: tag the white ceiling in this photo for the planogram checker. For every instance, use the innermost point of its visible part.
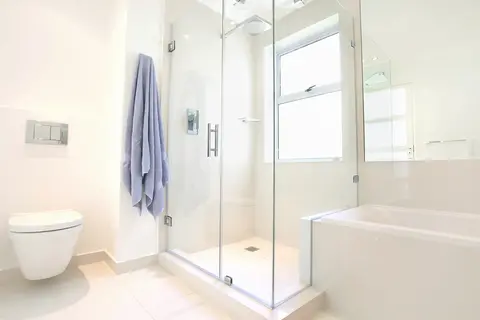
(238, 12)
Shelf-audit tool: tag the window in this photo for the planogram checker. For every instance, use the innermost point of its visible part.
(309, 103)
(388, 133)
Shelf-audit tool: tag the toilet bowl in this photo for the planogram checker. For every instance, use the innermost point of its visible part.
(44, 242)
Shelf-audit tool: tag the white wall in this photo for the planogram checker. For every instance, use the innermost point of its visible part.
(303, 188)
(443, 74)
(73, 62)
(440, 185)
(442, 68)
(138, 234)
(56, 62)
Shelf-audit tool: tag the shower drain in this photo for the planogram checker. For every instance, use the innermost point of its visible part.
(252, 249)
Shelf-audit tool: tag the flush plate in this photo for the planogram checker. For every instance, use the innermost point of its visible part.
(51, 133)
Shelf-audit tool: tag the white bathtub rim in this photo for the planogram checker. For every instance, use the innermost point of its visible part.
(422, 234)
(463, 215)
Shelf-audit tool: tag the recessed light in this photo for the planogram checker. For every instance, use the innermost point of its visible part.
(374, 58)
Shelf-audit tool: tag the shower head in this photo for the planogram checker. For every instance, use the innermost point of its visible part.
(376, 79)
(299, 2)
(254, 26)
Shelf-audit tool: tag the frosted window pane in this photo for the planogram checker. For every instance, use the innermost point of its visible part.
(399, 101)
(400, 133)
(311, 128)
(378, 135)
(316, 64)
(385, 134)
(385, 103)
(377, 105)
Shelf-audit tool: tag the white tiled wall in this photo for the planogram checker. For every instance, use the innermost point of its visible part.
(74, 62)
(56, 65)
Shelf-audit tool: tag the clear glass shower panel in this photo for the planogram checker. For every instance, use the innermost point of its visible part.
(247, 171)
(193, 133)
(315, 131)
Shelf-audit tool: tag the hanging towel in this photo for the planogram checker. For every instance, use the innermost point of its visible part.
(145, 169)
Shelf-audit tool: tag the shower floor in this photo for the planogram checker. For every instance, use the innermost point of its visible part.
(252, 270)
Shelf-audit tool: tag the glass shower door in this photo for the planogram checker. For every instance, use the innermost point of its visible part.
(193, 133)
(247, 181)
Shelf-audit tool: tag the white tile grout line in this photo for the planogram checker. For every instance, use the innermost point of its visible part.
(125, 285)
(175, 313)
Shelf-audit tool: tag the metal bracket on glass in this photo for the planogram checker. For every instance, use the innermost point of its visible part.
(248, 120)
(212, 129)
(356, 178)
(228, 281)
(172, 46)
(168, 221)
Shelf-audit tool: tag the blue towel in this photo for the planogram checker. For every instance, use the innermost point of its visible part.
(145, 168)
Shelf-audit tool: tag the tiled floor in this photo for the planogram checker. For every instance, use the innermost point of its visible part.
(93, 291)
(252, 271)
(324, 316)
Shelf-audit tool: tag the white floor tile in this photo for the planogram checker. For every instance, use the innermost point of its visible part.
(202, 312)
(324, 316)
(95, 292)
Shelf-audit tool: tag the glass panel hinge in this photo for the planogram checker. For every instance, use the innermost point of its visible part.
(172, 46)
(228, 281)
(168, 221)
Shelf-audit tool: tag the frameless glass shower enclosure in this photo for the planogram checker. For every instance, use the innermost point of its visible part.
(261, 136)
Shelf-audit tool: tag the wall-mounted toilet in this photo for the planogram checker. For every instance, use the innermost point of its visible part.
(44, 242)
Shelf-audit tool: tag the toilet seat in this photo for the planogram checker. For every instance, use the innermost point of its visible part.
(45, 221)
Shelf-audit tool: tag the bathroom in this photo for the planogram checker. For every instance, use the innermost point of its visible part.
(322, 159)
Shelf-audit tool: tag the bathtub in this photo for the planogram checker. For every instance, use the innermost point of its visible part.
(390, 263)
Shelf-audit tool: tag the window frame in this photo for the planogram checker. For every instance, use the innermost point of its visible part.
(280, 99)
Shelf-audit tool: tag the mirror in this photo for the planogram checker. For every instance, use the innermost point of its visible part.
(421, 72)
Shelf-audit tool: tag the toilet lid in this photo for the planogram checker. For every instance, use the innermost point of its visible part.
(45, 221)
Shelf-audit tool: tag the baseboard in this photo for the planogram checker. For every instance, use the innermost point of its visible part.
(120, 267)
(89, 258)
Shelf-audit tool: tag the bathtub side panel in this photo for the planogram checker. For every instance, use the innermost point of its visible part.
(376, 275)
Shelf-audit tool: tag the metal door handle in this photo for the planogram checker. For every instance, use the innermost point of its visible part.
(209, 140)
(216, 140)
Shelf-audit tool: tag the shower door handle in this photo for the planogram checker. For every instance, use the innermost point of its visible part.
(210, 149)
(216, 140)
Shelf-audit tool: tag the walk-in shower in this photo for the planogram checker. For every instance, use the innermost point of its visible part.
(273, 102)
